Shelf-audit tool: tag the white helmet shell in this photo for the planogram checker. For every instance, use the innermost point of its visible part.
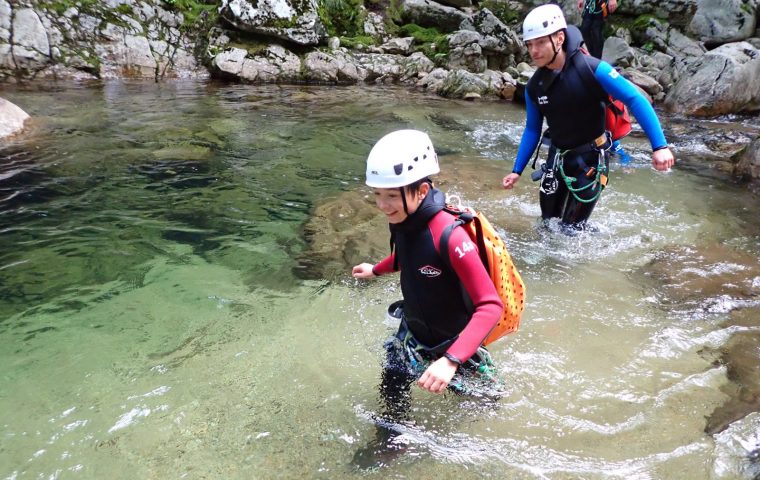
(401, 158)
(543, 21)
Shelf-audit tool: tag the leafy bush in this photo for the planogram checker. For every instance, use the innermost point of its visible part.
(420, 34)
(193, 9)
(502, 10)
(342, 17)
(353, 42)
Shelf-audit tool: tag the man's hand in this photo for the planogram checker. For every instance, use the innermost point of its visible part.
(611, 5)
(580, 4)
(438, 375)
(663, 159)
(510, 180)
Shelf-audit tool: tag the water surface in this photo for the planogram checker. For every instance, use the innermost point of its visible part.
(161, 319)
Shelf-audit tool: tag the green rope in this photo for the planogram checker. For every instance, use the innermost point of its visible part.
(600, 170)
(590, 7)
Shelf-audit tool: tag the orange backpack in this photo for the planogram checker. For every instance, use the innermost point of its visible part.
(495, 257)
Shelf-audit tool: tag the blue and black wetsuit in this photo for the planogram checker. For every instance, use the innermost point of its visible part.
(574, 108)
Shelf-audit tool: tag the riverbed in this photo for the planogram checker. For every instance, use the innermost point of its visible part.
(168, 311)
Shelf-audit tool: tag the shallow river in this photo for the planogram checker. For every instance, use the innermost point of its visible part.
(165, 312)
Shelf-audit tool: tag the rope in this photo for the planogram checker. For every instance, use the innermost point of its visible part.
(601, 169)
(591, 8)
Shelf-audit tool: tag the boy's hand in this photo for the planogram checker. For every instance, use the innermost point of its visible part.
(438, 375)
(363, 270)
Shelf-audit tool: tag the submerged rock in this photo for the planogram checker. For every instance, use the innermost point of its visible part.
(740, 357)
(12, 118)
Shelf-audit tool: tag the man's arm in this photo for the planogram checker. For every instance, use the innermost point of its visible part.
(528, 142)
(620, 88)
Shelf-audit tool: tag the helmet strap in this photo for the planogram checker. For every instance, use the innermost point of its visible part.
(554, 49)
(403, 199)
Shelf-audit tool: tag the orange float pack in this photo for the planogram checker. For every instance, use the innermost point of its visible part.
(495, 257)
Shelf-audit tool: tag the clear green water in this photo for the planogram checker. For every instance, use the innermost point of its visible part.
(158, 319)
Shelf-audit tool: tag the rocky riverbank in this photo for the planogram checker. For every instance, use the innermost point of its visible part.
(693, 57)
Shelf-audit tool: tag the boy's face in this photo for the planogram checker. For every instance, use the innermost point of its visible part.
(389, 201)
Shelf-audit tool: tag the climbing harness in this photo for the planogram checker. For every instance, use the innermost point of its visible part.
(600, 170)
(591, 7)
(477, 376)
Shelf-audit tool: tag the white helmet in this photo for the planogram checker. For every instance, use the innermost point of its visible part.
(401, 158)
(543, 21)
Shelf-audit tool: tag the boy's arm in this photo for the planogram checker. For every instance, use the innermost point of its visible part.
(488, 307)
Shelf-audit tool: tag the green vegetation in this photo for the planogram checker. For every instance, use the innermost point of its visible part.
(342, 17)
(643, 22)
(353, 42)
(420, 34)
(432, 43)
(193, 10)
(502, 11)
(60, 6)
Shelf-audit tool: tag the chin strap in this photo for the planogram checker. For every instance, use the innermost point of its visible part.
(556, 52)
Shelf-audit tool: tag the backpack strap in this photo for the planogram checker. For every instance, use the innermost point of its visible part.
(580, 62)
(462, 219)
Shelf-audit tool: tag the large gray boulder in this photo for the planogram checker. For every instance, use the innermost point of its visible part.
(723, 21)
(12, 118)
(387, 68)
(112, 39)
(722, 81)
(290, 20)
(335, 67)
(677, 12)
(426, 13)
(272, 64)
(30, 48)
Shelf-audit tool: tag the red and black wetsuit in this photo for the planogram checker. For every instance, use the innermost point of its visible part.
(434, 307)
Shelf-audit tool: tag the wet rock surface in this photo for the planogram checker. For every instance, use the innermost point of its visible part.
(700, 281)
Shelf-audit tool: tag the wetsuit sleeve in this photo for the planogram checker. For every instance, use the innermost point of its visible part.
(620, 88)
(476, 281)
(530, 137)
(384, 266)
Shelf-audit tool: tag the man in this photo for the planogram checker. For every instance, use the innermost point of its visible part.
(594, 13)
(569, 89)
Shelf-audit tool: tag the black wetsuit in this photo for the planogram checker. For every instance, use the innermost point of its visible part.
(592, 26)
(575, 114)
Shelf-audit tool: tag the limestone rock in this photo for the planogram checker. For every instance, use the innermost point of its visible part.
(12, 118)
(427, 13)
(723, 21)
(296, 22)
(722, 81)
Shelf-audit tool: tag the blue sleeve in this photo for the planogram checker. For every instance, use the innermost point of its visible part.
(620, 88)
(530, 137)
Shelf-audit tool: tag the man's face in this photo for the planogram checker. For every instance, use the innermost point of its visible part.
(542, 49)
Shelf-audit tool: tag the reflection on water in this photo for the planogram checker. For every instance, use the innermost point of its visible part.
(175, 300)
